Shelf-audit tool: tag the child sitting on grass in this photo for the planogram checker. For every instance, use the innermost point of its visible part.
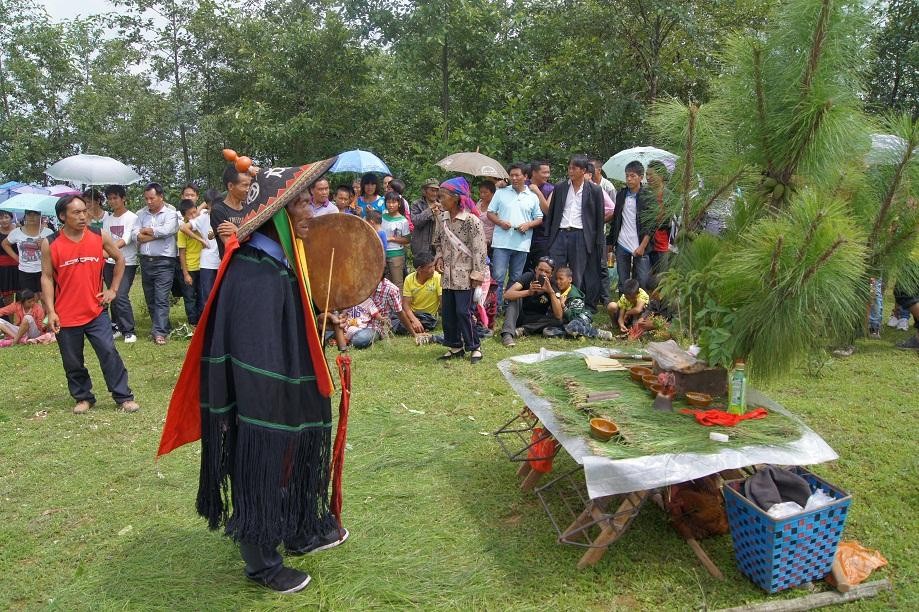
(27, 319)
(577, 317)
(630, 306)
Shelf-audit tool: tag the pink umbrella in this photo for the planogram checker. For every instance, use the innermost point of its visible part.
(62, 190)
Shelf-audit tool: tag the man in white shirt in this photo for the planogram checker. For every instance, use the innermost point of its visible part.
(574, 222)
(629, 233)
(210, 256)
(119, 225)
(155, 234)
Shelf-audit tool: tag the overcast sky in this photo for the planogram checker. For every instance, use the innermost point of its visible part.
(67, 9)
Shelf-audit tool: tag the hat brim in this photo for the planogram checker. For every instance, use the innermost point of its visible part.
(291, 190)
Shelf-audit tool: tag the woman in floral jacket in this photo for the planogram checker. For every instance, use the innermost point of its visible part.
(460, 255)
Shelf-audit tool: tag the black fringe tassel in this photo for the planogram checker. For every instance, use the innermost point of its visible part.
(276, 482)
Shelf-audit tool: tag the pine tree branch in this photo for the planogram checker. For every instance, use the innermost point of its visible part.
(792, 166)
(809, 236)
(895, 241)
(816, 52)
(774, 268)
(724, 187)
(887, 202)
(822, 259)
(761, 103)
(689, 157)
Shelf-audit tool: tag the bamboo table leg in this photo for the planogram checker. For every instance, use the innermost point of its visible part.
(614, 528)
(532, 479)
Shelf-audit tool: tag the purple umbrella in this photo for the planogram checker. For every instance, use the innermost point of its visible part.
(31, 189)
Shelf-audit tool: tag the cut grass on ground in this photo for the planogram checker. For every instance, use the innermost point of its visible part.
(89, 521)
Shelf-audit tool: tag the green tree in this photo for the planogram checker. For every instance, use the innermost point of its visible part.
(785, 124)
(893, 81)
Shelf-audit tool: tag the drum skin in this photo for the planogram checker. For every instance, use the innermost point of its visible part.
(357, 263)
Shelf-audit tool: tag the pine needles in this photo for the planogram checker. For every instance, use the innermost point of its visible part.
(565, 382)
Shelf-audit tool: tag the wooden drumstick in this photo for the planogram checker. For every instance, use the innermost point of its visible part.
(328, 293)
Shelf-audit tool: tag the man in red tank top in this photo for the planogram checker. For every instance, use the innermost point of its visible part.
(72, 262)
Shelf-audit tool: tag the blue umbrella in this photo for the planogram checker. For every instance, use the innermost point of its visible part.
(31, 201)
(6, 190)
(359, 161)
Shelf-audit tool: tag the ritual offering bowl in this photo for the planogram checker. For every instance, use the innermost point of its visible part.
(636, 372)
(699, 400)
(648, 380)
(603, 429)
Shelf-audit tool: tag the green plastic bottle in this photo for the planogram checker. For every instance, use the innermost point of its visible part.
(737, 389)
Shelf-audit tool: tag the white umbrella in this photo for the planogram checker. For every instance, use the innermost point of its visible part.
(885, 149)
(473, 163)
(92, 170)
(615, 165)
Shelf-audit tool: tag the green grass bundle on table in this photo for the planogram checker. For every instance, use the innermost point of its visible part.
(565, 381)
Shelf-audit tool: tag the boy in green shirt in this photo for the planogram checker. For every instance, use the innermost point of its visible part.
(577, 317)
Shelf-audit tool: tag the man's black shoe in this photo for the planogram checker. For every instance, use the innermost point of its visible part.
(288, 580)
(328, 540)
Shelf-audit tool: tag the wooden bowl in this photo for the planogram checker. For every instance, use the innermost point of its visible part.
(656, 389)
(699, 400)
(636, 372)
(603, 429)
(648, 380)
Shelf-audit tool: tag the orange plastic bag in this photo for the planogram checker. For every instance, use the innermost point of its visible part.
(857, 561)
(542, 452)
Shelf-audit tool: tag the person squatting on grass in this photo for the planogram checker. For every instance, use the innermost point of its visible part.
(71, 278)
(27, 319)
(421, 295)
(532, 305)
(630, 307)
(577, 317)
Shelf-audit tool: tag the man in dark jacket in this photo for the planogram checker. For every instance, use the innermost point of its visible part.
(574, 222)
(630, 233)
(423, 211)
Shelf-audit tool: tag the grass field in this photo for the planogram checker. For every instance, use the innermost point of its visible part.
(89, 521)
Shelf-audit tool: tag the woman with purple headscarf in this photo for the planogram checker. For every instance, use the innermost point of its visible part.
(460, 254)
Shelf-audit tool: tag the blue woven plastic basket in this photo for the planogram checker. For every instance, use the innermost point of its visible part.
(780, 554)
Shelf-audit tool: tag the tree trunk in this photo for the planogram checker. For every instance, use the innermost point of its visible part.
(179, 98)
(445, 92)
(3, 96)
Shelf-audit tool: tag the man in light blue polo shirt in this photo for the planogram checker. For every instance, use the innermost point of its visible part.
(515, 212)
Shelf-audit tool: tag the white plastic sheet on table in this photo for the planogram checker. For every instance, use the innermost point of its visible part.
(607, 476)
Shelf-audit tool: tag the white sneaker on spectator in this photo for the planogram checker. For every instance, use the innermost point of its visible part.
(116, 334)
(130, 339)
(892, 321)
(903, 324)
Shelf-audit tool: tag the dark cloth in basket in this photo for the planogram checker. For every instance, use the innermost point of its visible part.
(774, 485)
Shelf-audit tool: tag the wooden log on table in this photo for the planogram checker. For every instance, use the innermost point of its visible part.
(817, 600)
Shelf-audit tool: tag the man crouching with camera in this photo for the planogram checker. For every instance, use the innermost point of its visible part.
(533, 303)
